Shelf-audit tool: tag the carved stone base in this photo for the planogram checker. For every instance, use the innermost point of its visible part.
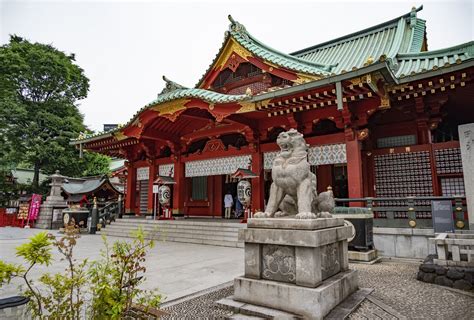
(309, 303)
(303, 252)
(297, 266)
(50, 215)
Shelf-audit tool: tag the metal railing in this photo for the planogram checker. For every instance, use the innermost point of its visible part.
(108, 212)
(406, 212)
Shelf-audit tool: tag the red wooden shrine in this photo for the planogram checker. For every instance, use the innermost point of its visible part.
(381, 120)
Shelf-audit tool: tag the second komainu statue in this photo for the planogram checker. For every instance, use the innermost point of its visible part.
(293, 191)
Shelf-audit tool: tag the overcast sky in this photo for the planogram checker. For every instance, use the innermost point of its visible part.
(126, 46)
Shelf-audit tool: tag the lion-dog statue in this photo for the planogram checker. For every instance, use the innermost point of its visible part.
(293, 191)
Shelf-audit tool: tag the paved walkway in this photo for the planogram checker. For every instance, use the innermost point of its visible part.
(397, 295)
(176, 269)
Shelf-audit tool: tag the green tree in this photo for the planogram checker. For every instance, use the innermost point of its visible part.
(39, 90)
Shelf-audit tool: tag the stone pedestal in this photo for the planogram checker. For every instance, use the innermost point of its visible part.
(466, 141)
(50, 215)
(297, 266)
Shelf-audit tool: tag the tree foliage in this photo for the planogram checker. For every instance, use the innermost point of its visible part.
(39, 90)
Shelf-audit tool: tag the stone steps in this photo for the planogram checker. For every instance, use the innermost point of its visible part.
(243, 310)
(159, 226)
(197, 232)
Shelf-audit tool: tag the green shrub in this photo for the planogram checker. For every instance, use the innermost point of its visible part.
(104, 289)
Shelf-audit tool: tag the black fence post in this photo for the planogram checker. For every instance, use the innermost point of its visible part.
(120, 207)
(94, 218)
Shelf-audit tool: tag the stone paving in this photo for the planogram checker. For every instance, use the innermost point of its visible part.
(401, 296)
(181, 269)
(176, 269)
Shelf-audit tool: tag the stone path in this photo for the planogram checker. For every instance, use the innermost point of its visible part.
(397, 295)
(176, 269)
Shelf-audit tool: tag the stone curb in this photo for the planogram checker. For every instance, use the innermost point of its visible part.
(196, 294)
(386, 308)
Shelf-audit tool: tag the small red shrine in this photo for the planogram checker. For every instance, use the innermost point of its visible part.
(379, 111)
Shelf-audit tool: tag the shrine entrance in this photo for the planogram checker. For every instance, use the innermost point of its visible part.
(229, 185)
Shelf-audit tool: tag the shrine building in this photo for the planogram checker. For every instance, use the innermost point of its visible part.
(378, 109)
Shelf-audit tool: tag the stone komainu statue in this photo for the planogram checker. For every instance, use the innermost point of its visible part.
(293, 191)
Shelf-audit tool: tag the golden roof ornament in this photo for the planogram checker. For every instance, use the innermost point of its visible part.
(369, 61)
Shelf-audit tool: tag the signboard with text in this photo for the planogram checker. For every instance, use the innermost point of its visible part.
(442, 213)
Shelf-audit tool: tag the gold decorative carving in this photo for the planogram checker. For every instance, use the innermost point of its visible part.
(303, 78)
(363, 134)
(230, 48)
(358, 80)
(246, 106)
(384, 102)
(171, 107)
(119, 135)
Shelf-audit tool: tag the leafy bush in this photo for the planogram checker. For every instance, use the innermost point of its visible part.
(104, 289)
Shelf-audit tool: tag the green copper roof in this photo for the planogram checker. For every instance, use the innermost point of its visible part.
(384, 41)
(174, 91)
(245, 39)
(239, 33)
(407, 64)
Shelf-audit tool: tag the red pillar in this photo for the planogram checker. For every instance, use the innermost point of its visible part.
(179, 190)
(151, 179)
(131, 186)
(324, 177)
(354, 166)
(257, 183)
(423, 130)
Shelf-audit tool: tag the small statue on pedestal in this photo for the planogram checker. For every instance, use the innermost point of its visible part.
(293, 191)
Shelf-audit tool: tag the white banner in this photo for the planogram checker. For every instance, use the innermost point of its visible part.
(317, 155)
(166, 170)
(143, 173)
(217, 166)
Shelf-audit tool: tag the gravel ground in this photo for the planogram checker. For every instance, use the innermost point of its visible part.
(369, 310)
(395, 285)
(201, 307)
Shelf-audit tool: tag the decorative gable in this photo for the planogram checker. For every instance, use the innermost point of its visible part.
(240, 47)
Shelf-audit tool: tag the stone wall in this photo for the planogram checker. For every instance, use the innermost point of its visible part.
(454, 277)
(404, 242)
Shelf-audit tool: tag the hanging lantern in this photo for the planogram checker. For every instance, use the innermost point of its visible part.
(244, 192)
(164, 195)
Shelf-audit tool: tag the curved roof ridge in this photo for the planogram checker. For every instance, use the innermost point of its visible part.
(170, 86)
(237, 28)
(360, 33)
(175, 91)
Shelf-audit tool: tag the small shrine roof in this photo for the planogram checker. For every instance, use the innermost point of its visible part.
(87, 185)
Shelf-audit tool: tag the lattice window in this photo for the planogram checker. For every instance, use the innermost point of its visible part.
(448, 161)
(143, 195)
(396, 141)
(199, 188)
(453, 187)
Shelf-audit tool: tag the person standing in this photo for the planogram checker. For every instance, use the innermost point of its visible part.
(228, 202)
